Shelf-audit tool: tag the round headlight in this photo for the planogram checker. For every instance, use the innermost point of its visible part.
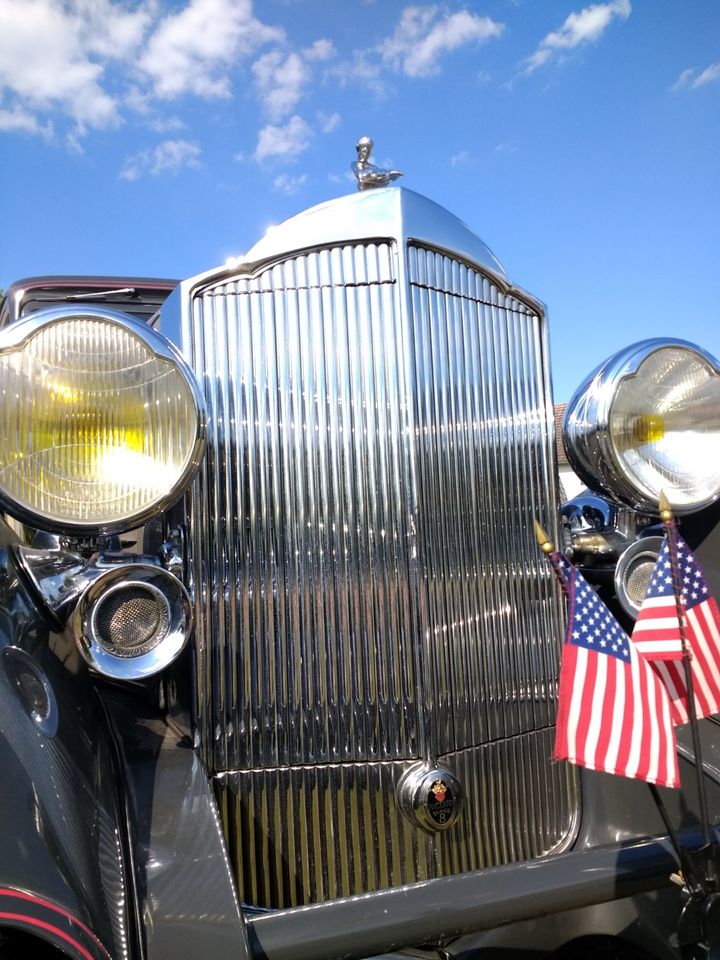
(649, 420)
(102, 421)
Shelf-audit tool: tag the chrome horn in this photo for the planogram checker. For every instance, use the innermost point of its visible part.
(129, 620)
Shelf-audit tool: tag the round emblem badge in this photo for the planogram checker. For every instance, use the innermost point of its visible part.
(430, 798)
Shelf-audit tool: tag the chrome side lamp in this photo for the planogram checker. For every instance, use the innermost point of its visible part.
(648, 419)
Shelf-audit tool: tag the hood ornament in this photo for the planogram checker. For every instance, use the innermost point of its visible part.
(368, 175)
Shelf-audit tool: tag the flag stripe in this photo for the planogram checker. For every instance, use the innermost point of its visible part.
(606, 714)
(648, 647)
(670, 675)
(657, 625)
(596, 714)
(670, 757)
(576, 702)
(636, 740)
(653, 758)
(612, 751)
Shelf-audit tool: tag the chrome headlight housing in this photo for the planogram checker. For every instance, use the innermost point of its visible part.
(102, 421)
(648, 420)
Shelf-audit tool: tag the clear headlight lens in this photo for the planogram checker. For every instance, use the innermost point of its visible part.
(649, 420)
(102, 422)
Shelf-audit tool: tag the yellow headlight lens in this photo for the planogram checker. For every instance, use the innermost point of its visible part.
(98, 427)
(664, 426)
(649, 428)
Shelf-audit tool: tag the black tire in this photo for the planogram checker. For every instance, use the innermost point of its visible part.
(16, 945)
(601, 948)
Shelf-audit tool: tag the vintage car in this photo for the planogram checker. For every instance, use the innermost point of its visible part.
(278, 649)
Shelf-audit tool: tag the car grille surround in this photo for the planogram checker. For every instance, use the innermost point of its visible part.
(367, 590)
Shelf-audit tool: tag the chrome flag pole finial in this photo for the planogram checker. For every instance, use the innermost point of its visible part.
(543, 539)
(666, 514)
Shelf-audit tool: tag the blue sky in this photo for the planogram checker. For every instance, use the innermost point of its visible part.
(581, 142)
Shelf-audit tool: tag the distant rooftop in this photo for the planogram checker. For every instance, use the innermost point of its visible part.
(562, 459)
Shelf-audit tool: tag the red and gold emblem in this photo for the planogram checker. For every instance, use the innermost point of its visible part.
(439, 789)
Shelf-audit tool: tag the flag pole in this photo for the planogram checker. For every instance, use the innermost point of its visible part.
(671, 530)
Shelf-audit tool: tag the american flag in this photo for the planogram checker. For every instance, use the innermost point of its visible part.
(613, 712)
(702, 632)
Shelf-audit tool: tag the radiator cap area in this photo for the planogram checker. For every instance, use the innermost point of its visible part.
(430, 797)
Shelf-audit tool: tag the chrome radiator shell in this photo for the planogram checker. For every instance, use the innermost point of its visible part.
(368, 592)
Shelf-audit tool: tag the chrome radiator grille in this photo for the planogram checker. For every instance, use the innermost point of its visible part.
(367, 588)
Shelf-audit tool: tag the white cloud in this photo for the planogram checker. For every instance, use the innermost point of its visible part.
(320, 50)
(329, 122)
(693, 78)
(283, 143)
(193, 51)
(709, 75)
(111, 31)
(18, 120)
(134, 167)
(289, 184)
(685, 79)
(171, 156)
(73, 142)
(45, 61)
(280, 80)
(362, 71)
(460, 159)
(422, 38)
(165, 124)
(586, 26)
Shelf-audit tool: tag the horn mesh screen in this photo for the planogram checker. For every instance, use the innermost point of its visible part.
(131, 621)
